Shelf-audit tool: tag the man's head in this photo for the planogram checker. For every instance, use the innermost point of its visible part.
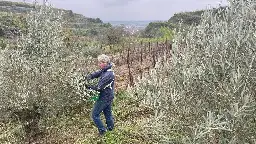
(103, 61)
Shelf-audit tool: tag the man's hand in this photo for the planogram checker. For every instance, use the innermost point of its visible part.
(89, 87)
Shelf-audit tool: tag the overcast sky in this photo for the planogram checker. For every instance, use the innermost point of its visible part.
(109, 10)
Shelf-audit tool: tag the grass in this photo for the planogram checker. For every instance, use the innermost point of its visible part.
(80, 129)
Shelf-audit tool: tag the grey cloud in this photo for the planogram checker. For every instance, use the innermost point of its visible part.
(132, 9)
(111, 3)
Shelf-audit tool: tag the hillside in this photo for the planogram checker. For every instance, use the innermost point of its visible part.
(78, 23)
(21, 8)
(187, 19)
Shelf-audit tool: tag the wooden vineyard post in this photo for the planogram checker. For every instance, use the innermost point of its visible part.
(123, 53)
(149, 47)
(166, 45)
(145, 50)
(128, 64)
(154, 59)
(141, 58)
(170, 49)
(131, 54)
(157, 50)
(141, 53)
(134, 53)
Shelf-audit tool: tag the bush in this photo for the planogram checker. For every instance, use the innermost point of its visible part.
(154, 29)
(39, 78)
(206, 92)
(114, 35)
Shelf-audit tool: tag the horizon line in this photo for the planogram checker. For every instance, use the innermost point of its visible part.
(131, 20)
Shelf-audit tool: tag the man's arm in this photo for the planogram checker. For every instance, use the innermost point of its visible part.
(94, 75)
(106, 80)
(98, 73)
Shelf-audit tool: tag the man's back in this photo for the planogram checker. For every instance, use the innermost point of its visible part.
(107, 82)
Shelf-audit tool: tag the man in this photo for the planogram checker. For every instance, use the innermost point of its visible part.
(106, 88)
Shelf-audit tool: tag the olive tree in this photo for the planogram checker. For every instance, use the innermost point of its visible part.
(39, 77)
(206, 91)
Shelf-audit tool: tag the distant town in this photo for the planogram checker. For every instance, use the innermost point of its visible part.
(131, 26)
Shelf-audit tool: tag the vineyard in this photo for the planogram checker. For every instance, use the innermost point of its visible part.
(134, 59)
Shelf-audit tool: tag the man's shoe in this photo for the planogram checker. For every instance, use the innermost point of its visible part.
(101, 133)
(110, 129)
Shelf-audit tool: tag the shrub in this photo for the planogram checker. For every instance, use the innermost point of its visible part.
(205, 93)
(39, 78)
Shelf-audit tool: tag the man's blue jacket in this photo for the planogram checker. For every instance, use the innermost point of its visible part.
(106, 83)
